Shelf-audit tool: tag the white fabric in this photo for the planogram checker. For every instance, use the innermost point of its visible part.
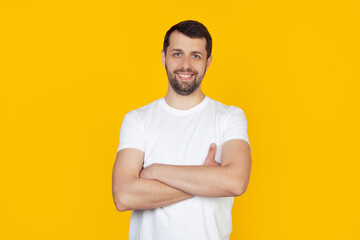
(182, 137)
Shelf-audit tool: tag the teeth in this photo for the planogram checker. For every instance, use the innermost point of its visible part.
(183, 75)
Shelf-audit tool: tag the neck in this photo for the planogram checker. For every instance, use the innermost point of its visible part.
(181, 102)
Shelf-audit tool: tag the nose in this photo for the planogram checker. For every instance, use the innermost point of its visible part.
(187, 62)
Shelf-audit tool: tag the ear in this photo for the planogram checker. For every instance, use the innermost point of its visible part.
(208, 61)
(163, 57)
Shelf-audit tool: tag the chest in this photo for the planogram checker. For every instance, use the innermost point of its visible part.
(181, 140)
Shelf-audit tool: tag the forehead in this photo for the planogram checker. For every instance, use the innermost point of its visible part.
(180, 41)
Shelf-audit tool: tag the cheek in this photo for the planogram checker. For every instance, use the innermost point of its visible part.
(201, 67)
(171, 65)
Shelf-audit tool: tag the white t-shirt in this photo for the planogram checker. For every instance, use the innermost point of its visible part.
(182, 137)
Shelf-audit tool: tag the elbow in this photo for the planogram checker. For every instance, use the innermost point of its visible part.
(120, 202)
(121, 207)
(239, 189)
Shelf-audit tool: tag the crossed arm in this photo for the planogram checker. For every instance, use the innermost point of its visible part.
(159, 185)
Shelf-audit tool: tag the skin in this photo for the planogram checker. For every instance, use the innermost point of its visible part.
(131, 192)
(159, 185)
(185, 53)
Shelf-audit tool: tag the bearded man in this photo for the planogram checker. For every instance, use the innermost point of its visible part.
(183, 158)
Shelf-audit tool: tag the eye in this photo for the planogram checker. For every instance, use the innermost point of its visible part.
(196, 56)
(177, 54)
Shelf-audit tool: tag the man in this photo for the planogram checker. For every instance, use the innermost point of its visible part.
(182, 158)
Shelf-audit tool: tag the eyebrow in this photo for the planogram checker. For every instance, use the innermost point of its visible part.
(176, 50)
(180, 50)
(198, 52)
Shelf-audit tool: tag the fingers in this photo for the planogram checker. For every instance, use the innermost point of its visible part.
(210, 159)
(212, 151)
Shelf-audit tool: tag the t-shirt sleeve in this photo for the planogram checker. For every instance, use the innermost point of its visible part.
(131, 132)
(235, 125)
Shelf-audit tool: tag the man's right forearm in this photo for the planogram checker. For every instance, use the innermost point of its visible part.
(139, 194)
(130, 192)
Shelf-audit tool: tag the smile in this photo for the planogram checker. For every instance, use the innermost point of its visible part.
(185, 76)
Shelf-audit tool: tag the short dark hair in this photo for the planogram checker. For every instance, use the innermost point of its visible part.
(192, 29)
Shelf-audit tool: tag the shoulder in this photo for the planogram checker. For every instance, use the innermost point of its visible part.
(227, 110)
(234, 111)
(142, 112)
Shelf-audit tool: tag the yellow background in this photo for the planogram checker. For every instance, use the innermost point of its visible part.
(71, 70)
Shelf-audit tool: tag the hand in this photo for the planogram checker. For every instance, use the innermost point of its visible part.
(210, 159)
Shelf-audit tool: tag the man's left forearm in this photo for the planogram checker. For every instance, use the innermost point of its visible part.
(210, 181)
(231, 178)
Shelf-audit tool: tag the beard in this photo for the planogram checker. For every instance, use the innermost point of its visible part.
(184, 88)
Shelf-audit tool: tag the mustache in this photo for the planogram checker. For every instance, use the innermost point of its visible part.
(183, 70)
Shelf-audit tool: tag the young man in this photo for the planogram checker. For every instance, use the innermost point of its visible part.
(182, 158)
